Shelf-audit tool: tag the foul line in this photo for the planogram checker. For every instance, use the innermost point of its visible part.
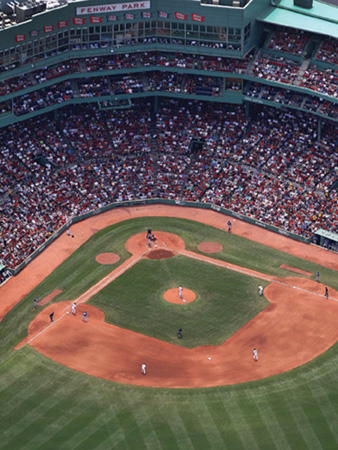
(238, 269)
(88, 294)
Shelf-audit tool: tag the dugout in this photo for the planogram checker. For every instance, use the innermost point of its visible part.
(326, 239)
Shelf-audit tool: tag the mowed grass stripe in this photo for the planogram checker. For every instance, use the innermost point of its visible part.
(93, 433)
(281, 410)
(104, 424)
(304, 427)
(56, 419)
(268, 416)
(260, 429)
(144, 419)
(329, 411)
(27, 410)
(82, 420)
(126, 420)
(208, 424)
(242, 424)
(18, 390)
(31, 426)
(197, 432)
(181, 433)
(115, 439)
(217, 408)
(318, 420)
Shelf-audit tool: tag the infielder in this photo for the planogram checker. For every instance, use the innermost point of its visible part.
(255, 354)
(143, 369)
(84, 317)
(74, 309)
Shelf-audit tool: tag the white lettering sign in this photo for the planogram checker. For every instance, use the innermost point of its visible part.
(99, 9)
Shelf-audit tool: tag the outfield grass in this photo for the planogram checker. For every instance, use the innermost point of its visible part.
(47, 406)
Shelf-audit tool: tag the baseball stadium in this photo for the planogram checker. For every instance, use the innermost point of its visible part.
(169, 224)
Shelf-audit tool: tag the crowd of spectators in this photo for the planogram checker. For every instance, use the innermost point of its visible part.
(36, 100)
(289, 41)
(275, 68)
(127, 84)
(261, 65)
(174, 82)
(269, 166)
(93, 87)
(201, 85)
(293, 98)
(38, 76)
(321, 80)
(327, 51)
(165, 81)
(5, 107)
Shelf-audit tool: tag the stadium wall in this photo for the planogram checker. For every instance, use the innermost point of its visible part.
(155, 201)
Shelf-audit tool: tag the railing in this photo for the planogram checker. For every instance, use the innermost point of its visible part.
(154, 201)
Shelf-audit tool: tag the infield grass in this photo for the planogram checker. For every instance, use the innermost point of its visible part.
(47, 406)
(225, 301)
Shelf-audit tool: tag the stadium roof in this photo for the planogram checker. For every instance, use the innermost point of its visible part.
(321, 18)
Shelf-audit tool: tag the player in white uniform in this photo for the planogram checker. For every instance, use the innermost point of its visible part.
(260, 289)
(74, 308)
(144, 369)
(180, 292)
(255, 354)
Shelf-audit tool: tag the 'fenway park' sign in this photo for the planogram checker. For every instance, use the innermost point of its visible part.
(130, 6)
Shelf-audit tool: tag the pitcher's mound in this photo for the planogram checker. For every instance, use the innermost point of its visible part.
(160, 254)
(107, 258)
(172, 296)
(210, 247)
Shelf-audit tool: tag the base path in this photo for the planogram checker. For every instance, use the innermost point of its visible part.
(298, 325)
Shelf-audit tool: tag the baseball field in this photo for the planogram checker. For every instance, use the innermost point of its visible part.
(70, 384)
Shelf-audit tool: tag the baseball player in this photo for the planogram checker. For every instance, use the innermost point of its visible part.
(229, 226)
(317, 277)
(143, 369)
(326, 292)
(260, 289)
(255, 355)
(51, 316)
(179, 334)
(180, 291)
(84, 317)
(74, 309)
(35, 303)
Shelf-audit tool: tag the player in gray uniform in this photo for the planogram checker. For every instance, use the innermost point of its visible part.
(255, 354)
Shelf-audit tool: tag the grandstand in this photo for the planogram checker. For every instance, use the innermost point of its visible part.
(101, 102)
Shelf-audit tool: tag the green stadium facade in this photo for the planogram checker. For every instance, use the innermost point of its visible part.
(233, 30)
